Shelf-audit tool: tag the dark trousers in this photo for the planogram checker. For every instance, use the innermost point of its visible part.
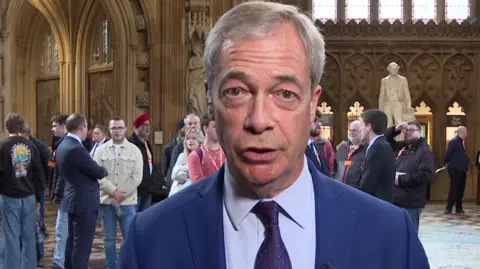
(458, 179)
(81, 230)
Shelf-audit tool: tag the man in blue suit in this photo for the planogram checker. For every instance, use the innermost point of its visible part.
(268, 206)
(81, 195)
(456, 161)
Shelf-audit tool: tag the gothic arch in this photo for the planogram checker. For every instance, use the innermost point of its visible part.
(359, 79)
(25, 25)
(330, 81)
(427, 100)
(424, 77)
(147, 9)
(459, 79)
(386, 59)
(124, 45)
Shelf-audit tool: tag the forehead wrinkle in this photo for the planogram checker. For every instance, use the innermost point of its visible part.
(250, 82)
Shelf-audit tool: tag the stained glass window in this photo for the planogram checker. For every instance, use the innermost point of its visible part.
(424, 9)
(324, 10)
(457, 9)
(357, 10)
(390, 10)
(105, 40)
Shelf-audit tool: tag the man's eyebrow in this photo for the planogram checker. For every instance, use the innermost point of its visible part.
(242, 76)
(288, 78)
(234, 74)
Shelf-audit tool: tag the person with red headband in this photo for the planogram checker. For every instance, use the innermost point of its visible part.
(140, 139)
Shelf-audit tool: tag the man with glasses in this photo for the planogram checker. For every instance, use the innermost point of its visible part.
(118, 190)
(415, 166)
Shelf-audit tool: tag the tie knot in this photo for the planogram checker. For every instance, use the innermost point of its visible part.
(267, 212)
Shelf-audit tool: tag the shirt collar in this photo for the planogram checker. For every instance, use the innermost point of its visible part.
(373, 140)
(75, 137)
(238, 204)
(110, 143)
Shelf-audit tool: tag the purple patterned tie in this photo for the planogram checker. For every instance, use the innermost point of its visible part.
(272, 253)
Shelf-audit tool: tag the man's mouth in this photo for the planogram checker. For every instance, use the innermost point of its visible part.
(260, 154)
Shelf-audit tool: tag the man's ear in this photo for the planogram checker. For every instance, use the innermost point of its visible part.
(210, 113)
(314, 103)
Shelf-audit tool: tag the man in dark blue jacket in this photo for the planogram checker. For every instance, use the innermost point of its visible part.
(81, 194)
(456, 161)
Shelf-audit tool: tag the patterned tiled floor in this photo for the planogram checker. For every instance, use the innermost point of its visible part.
(451, 241)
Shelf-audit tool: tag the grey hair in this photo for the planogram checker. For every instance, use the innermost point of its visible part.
(256, 19)
(190, 115)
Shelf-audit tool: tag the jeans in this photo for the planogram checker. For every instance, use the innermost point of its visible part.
(414, 214)
(109, 219)
(144, 200)
(40, 246)
(19, 223)
(61, 228)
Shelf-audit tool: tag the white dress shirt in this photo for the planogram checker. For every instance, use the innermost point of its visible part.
(244, 232)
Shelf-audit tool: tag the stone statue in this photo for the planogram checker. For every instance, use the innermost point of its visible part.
(195, 84)
(395, 99)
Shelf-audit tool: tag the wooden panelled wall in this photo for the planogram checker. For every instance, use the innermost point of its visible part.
(439, 60)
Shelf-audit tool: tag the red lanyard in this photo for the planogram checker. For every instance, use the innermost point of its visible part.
(400, 152)
(211, 159)
(147, 151)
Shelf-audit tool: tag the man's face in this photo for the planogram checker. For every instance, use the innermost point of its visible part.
(364, 131)
(355, 132)
(97, 135)
(263, 108)
(412, 132)
(315, 127)
(144, 129)
(58, 129)
(192, 122)
(117, 129)
(84, 131)
(211, 131)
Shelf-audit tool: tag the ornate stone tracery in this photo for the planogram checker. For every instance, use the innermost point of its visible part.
(198, 26)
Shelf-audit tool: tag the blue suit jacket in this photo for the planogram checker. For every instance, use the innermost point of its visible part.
(81, 174)
(354, 230)
(455, 155)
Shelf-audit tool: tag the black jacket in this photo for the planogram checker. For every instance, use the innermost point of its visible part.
(167, 155)
(148, 178)
(21, 172)
(45, 154)
(58, 183)
(378, 170)
(417, 161)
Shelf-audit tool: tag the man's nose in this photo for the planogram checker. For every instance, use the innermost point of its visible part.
(259, 115)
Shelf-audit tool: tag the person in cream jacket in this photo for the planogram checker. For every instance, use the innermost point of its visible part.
(118, 191)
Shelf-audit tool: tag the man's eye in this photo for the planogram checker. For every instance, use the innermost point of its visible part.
(233, 91)
(287, 94)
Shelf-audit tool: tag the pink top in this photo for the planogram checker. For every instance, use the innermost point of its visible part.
(211, 161)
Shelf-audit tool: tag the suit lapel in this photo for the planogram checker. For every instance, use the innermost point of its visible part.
(204, 224)
(334, 222)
